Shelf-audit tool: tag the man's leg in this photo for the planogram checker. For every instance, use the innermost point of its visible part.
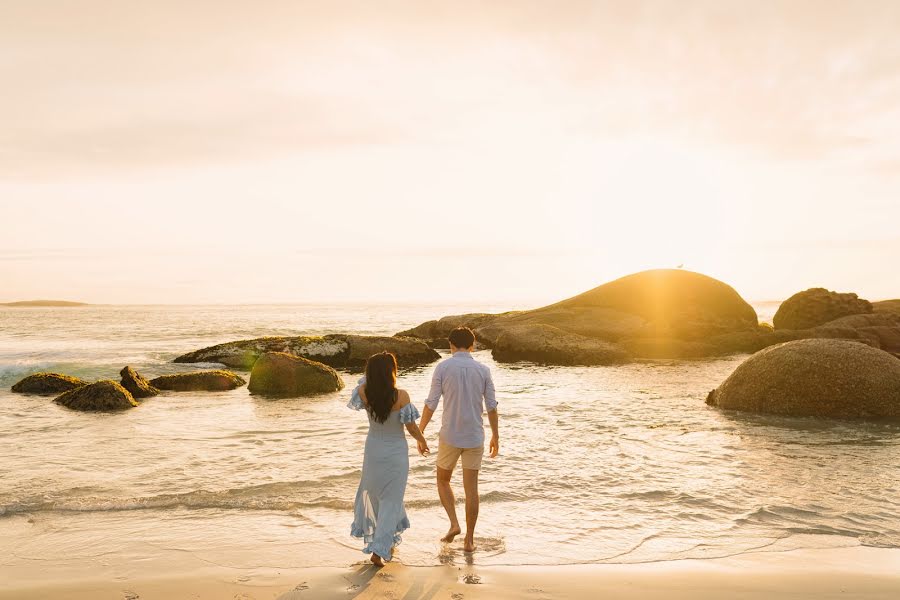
(449, 503)
(470, 483)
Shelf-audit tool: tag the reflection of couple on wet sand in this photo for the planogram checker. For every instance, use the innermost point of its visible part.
(467, 388)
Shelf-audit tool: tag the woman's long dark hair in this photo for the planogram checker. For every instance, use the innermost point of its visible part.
(381, 385)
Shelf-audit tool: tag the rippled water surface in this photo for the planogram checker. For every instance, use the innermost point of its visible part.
(600, 464)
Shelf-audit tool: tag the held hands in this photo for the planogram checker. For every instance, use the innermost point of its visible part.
(423, 447)
(495, 446)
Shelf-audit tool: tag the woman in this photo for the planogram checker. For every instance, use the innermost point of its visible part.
(379, 516)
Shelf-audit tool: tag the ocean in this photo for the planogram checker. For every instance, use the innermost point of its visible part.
(616, 464)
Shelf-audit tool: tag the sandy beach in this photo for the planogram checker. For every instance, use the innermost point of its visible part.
(859, 573)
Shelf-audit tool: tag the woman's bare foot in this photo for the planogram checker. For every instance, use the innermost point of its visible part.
(469, 546)
(451, 534)
(376, 560)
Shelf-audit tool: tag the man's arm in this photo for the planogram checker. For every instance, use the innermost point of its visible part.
(490, 403)
(434, 397)
(494, 420)
(426, 418)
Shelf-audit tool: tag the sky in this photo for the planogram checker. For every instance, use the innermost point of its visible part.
(522, 152)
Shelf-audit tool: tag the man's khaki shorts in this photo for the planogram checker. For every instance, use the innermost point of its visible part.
(448, 456)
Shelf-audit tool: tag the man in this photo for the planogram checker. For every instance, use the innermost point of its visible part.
(468, 390)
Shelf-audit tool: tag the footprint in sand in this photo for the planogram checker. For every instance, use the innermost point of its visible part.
(300, 587)
(129, 595)
(471, 579)
(456, 596)
(386, 576)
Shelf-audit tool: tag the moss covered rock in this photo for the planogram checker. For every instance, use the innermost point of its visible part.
(282, 374)
(815, 377)
(199, 381)
(136, 384)
(47, 384)
(100, 396)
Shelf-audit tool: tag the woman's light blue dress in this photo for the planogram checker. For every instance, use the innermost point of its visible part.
(379, 517)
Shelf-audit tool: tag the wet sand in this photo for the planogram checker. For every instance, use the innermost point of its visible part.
(859, 573)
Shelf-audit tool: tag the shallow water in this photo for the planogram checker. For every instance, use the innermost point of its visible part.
(599, 464)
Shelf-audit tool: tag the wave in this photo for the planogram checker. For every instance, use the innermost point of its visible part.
(281, 497)
(201, 499)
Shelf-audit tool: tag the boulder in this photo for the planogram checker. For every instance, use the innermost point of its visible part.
(199, 381)
(817, 306)
(815, 377)
(546, 344)
(136, 385)
(282, 374)
(47, 384)
(340, 351)
(100, 396)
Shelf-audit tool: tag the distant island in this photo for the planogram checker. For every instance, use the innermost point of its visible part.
(57, 303)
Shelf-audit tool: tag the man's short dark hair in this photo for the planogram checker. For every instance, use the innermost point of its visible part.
(462, 337)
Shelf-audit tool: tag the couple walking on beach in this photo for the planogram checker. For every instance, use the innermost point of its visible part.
(467, 389)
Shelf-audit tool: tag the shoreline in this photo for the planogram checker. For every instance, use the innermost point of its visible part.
(858, 572)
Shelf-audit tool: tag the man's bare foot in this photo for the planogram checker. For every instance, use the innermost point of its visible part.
(469, 546)
(376, 560)
(451, 534)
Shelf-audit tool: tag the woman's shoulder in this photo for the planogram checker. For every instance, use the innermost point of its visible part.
(402, 399)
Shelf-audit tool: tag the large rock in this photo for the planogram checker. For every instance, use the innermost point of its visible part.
(47, 384)
(341, 351)
(199, 381)
(666, 313)
(815, 377)
(281, 374)
(136, 384)
(667, 302)
(100, 396)
(546, 344)
(817, 306)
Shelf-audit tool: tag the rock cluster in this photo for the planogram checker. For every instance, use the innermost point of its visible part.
(667, 314)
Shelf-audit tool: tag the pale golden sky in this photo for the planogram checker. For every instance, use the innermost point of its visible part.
(274, 151)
